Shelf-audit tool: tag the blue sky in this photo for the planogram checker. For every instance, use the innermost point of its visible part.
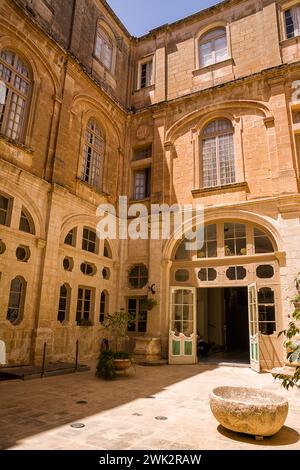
(139, 16)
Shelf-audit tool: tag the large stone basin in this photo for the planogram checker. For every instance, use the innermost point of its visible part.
(249, 410)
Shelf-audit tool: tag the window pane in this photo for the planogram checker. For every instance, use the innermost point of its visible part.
(209, 159)
(289, 25)
(206, 57)
(24, 223)
(221, 49)
(262, 242)
(226, 156)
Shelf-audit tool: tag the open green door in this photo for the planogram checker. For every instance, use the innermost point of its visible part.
(183, 332)
(253, 327)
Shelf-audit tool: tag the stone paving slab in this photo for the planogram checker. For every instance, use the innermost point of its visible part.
(122, 414)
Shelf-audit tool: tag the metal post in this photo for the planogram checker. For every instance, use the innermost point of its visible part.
(77, 353)
(44, 360)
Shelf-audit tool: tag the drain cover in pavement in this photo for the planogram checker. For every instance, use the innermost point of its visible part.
(77, 425)
(161, 418)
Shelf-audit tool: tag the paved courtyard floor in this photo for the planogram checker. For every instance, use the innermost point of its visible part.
(37, 414)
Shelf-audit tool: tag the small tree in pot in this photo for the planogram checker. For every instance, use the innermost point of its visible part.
(115, 358)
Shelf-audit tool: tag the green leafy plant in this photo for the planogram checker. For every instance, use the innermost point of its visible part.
(106, 367)
(116, 324)
(148, 304)
(84, 322)
(292, 344)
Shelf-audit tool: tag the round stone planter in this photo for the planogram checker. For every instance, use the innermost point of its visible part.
(122, 364)
(249, 410)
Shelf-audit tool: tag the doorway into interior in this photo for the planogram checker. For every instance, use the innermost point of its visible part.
(223, 325)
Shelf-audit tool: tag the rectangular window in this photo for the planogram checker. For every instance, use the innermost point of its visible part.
(4, 210)
(104, 50)
(84, 305)
(209, 249)
(145, 74)
(235, 239)
(142, 153)
(89, 240)
(138, 314)
(142, 184)
(292, 22)
(206, 54)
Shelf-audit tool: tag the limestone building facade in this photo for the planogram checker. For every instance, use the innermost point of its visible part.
(202, 111)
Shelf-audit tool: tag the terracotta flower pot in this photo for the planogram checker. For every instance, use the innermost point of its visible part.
(122, 364)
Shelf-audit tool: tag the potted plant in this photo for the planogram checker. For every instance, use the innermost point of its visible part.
(149, 303)
(115, 359)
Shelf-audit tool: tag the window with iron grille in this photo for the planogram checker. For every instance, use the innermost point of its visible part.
(89, 240)
(213, 47)
(16, 300)
(93, 158)
(15, 91)
(218, 162)
(104, 48)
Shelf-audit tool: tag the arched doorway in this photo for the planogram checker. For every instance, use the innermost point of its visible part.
(225, 298)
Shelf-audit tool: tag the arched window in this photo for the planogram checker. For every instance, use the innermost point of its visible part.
(218, 163)
(26, 222)
(16, 300)
(213, 47)
(64, 303)
(15, 89)
(231, 239)
(104, 48)
(107, 250)
(70, 238)
(104, 301)
(93, 159)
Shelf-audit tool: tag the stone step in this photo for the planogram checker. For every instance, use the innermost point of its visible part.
(287, 371)
(292, 364)
(151, 363)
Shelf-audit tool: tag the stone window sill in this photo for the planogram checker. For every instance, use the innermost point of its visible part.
(15, 143)
(217, 189)
(91, 187)
(107, 70)
(217, 65)
(145, 89)
(290, 41)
